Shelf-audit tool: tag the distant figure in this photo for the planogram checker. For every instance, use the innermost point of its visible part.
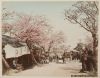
(63, 57)
(15, 63)
(84, 61)
(55, 58)
(77, 56)
(72, 54)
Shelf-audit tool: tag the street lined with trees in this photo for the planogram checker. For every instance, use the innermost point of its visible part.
(46, 45)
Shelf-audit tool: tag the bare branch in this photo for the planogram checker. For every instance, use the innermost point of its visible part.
(82, 26)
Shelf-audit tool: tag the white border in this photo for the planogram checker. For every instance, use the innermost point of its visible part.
(46, 76)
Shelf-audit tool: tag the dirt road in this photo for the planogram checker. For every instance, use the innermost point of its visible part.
(53, 69)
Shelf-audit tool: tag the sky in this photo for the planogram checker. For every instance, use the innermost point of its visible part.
(54, 12)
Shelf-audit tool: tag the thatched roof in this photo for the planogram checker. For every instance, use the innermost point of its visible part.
(12, 41)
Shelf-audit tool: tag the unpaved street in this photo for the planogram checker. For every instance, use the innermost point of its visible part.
(53, 69)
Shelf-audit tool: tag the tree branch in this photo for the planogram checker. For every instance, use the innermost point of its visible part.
(96, 6)
(82, 26)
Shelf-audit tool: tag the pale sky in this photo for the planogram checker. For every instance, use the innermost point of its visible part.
(54, 12)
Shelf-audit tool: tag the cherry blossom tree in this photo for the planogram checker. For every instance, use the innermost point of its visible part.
(6, 15)
(85, 13)
(7, 18)
(31, 29)
(6, 27)
(56, 40)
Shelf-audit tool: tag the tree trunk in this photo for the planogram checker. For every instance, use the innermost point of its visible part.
(29, 44)
(33, 58)
(5, 66)
(95, 52)
(95, 44)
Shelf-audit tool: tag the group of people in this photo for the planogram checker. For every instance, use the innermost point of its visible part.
(44, 59)
(88, 61)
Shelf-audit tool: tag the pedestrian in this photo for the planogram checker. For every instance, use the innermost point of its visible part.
(84, 61)
(63, 58)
